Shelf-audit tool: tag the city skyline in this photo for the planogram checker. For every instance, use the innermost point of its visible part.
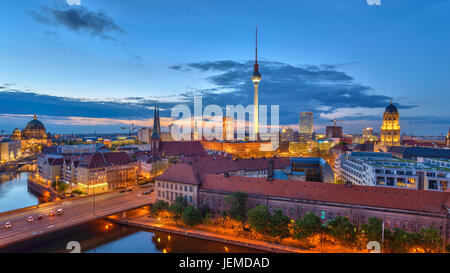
(102, 74)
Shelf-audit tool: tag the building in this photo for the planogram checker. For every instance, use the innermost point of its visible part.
(256, 78)
(406, 209)
(390, 130)
(287, 134)
(227, 129)
(105, 171)
(179, 180)
(382, 169)
(312, 169)
(448, 138)
(143, 135)
(33, 137)
(305, 126)
(414, 153)
(77, 149)
(333, 132)
(10, 151)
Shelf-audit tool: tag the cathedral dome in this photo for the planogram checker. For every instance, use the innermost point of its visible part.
(391, 109)
(35, 125)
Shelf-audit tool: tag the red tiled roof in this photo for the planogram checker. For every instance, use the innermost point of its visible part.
(404, 199)
(105, 159)
(55, 161)
(222, 165)
(180, 172)
(185, 148)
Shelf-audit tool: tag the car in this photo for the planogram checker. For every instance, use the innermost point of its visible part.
(30, 219)
(146, 192)
(51, 213)
(39, 217)
(122, 191)
(59, 211)
(151, 190)
(8, 225)
(130, 190)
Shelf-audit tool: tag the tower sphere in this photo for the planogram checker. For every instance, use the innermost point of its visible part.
(256, 77)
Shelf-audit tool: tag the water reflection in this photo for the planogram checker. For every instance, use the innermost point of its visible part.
(14, 193)
(105, 237)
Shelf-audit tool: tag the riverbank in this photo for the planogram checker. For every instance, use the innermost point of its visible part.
(191, 232)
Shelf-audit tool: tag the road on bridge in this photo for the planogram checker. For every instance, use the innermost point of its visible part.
(76, 211)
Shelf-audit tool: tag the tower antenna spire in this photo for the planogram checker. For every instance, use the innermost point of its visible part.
(256, 46)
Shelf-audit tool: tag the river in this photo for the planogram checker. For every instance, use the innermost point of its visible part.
(100, 236)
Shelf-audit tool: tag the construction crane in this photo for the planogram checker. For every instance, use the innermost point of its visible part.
(334, 121)
(131, 128)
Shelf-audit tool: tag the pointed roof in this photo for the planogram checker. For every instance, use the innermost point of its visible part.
(156, 133)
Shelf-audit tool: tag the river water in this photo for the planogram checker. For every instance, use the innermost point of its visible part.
(100, 236)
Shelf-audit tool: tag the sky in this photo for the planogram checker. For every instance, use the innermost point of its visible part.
(88, 66)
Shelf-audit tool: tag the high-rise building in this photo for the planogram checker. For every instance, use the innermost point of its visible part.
(448, 138)
(333, 132)
(287, 134)
(227, 129)
(305, 127)
(256, 78)
(390, 130)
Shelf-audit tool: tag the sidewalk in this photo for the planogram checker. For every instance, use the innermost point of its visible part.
(191, 232)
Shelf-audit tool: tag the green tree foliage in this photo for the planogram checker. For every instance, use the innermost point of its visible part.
(237, 205)
(430, 240)
(307, 226)
(158, 207)
(191, 216)
(344, 231)
(259, 219)
(279, 225)
(177, 208)
(159, 167)
(398, 241)
(373, 229)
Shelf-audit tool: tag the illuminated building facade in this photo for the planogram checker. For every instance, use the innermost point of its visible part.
(10, 150)
(306, 126)
(448, 138)
(287, 134)
(390, 130)
(33, 136)
(381, 169)
(227, 129)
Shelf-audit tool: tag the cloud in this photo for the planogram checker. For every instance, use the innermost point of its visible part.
(78, 19)
(322, 89)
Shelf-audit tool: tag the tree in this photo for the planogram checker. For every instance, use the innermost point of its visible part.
(279, 225)
(191, 216)
(398, 241)
(259, 219)
(430, 240)
(158, 207)
(158, 168)
(204, 210)
(344, 231)
(373, 229)
(177, 208)
(237, 204)
(307, 226)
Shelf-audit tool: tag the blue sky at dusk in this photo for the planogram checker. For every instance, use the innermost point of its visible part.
(105, 63)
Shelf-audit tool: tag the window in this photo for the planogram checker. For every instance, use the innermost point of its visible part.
(322, 214)
(171, 186)
(190, 189)
(190, 199)
(185, 188)
(171, 195)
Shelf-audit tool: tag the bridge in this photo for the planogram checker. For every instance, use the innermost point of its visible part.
(77, 211)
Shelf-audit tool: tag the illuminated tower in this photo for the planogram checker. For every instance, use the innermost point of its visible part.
(305, 126)
(256, 78)
(390, 130)
(155, 138)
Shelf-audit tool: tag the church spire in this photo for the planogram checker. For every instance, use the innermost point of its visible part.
(156, 133)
